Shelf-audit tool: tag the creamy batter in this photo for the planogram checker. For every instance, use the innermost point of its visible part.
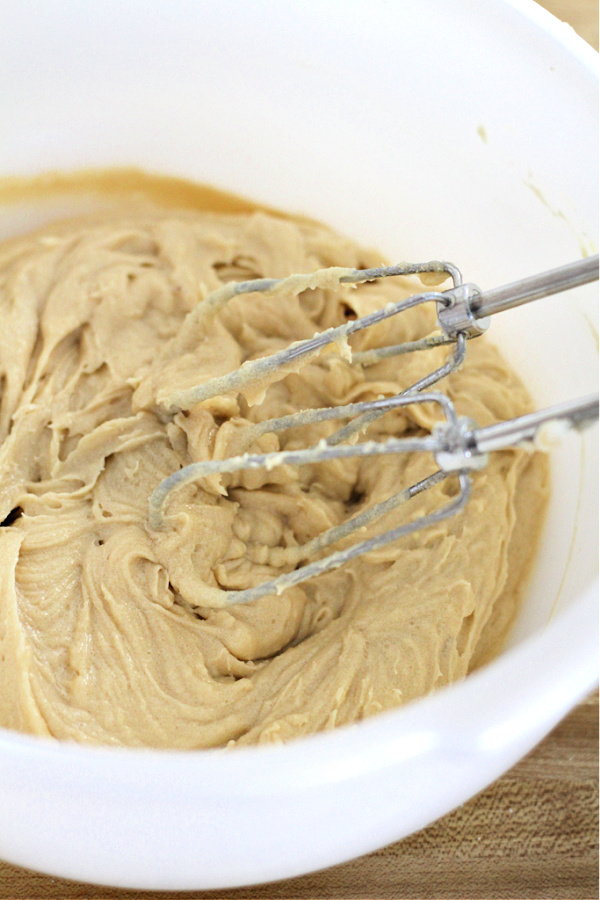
(104, 635)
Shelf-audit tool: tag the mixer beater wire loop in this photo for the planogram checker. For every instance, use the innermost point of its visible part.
(456, 443)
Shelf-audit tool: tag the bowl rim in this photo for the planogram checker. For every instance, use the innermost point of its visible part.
(561, 31)
(425, 725)
(414, 728)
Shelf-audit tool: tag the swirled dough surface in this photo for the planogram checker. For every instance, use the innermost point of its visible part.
(104, 637)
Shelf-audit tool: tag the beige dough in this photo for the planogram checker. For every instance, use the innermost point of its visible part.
(104, 637)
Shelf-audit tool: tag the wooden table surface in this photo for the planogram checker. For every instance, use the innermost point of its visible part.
(581, 14)
(532, 834)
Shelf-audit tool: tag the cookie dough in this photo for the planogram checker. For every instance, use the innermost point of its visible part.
(104, 637)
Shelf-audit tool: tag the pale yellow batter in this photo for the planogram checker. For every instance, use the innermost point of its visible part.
(103, 634)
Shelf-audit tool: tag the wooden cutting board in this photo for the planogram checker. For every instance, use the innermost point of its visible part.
(581, 14)
(532, 834)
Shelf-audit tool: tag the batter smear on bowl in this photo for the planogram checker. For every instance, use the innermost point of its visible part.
(103, 634)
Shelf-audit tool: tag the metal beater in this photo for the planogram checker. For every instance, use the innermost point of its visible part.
(457, 444)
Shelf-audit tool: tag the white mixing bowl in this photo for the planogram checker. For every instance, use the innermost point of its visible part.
(430, 128)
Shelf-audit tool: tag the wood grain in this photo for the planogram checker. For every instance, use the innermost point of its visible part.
(532, 834)
(582, 15)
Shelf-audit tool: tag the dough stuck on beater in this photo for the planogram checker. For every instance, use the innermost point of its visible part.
(103, 634)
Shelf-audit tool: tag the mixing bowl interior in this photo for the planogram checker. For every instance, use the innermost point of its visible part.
(432, 135)
(469, 167)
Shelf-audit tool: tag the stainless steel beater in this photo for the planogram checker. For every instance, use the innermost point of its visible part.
(457, 444)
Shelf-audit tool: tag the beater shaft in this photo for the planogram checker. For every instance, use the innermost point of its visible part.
(462, 310)
(465, 308)
(457, 445)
